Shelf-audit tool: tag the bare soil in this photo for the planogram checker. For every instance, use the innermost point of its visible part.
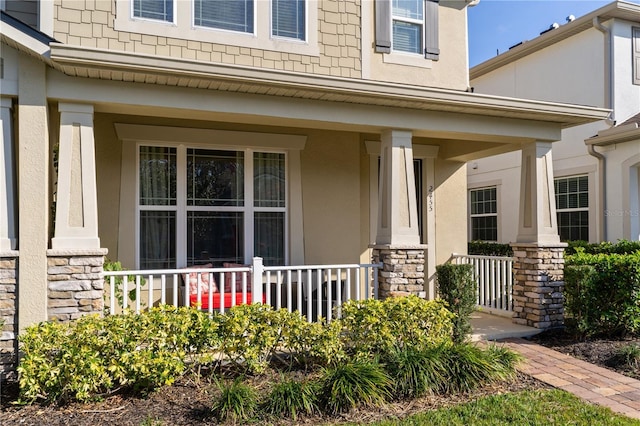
(188, 402)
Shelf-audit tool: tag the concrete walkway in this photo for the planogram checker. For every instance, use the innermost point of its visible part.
(488, 326)
(587, 381)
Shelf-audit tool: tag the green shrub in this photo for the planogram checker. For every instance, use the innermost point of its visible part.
(603, 292)
(237, 402)
(483, 248)
(95, 356)
(290, 397)
(605, 247)
(375, 327)
(458, 288)
(416, 372)
(315, 343)
(352, 384)
(468, 366)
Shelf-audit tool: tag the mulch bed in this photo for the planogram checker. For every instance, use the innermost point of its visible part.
(596, 350)
(188, 402)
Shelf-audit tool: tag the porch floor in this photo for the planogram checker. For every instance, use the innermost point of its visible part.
(493, 327)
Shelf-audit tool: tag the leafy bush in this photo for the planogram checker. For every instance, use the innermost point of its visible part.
(315, 343)
(629, 355)
(603, 292)
(94, 355)
(352, 384)
(416, 372)
(372, 327)
(236, 402)
(483, 248)
(290, 397)
(458, 288)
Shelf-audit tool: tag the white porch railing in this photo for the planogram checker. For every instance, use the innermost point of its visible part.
(494, 276)
(313, 290)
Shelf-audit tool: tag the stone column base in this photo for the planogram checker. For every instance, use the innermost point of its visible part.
(75, 283)
(8, 315)
(402, 270)
(539, 284)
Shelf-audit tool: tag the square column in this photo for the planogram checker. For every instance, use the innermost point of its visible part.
(76, 225)
(397, 244)
(7, 179)
(539, 255)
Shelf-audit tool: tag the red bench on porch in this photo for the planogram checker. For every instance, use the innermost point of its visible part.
(206, 285)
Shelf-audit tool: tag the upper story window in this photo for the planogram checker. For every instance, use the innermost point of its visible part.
(232, 15)
(408, 22)
(280, 25)
(288, 19)
(160, 10)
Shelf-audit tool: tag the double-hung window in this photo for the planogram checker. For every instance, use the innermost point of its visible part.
(572, 207)
(484, 214)
(159, 10)
(408, 25)
(199, 206)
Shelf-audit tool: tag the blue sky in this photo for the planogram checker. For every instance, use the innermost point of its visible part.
(495, 25)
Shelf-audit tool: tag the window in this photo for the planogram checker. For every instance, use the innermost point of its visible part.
(288, 19)
(484, 214)
(232, 15)
(572, 206)
(408, 22)
(408, 26)
(199, 206)
(160, 10)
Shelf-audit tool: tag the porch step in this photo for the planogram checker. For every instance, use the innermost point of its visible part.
(493, 327)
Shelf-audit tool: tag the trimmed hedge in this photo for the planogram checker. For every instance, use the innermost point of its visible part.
(603, 292)
(483, 248)
(458, 288)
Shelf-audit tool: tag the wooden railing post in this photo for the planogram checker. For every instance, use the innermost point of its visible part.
(256, 280)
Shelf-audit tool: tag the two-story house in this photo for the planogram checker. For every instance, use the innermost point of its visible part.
(592, 60)
(173, 133)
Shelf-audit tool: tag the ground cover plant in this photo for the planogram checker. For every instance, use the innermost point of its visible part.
(260, 362)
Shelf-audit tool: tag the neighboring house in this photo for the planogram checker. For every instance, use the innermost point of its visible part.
(592, 60)
(175, 133)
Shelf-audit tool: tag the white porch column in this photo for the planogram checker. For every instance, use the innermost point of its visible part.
(397, 211)
(537, 221)
(76, 225)
(7, 170)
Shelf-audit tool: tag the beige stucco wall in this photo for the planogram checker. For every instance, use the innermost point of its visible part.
(330, 189)
(451, 209)
(450, 71)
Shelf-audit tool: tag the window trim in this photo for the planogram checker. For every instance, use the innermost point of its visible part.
(132, 135)
(590, 200)
(160, 21)
(230, 32)
(183, 29)
(481, 187)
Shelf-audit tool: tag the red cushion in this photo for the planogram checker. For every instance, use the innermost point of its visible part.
(216, 300)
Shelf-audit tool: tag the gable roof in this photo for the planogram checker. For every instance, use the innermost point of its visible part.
(617, 9)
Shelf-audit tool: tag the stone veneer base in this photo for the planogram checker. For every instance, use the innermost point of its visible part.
(75, 283)
(539, 284)
(402, 268)
(8, 315)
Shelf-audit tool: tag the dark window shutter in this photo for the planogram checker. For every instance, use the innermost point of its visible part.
(432, 49)
(636, 55)
(383, 26)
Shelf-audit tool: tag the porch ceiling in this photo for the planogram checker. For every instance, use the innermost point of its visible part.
(127, 67)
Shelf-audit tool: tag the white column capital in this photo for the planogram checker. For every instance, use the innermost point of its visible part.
(537, 222)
